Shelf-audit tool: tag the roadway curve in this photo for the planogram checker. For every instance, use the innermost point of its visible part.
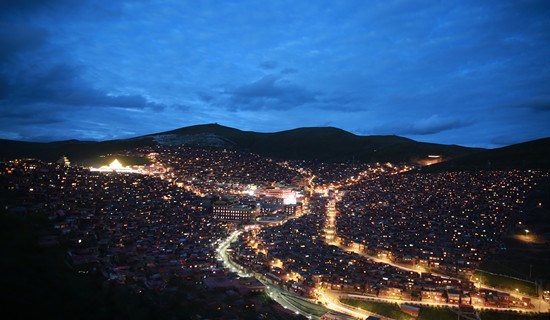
(287, 299)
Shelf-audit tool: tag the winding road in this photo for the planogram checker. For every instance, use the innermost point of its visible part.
(330, 300)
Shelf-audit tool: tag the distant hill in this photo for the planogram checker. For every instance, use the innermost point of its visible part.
(528, 155)
(76, 151)
(324, 144)
(316, 143)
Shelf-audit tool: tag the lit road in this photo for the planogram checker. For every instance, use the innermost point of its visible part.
(539, 303)
(330, 299)
(287, 299)
(227, 262)
(376, 259)
(535, 301)
(296, 303)
(334, 296)
(332, 302)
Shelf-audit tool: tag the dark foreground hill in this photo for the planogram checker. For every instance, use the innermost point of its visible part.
(528, 155)
(323, 144)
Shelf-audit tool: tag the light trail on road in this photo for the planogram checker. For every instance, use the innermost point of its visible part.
(227, 262)
(340, 308)
(334, 303)
(272, 293)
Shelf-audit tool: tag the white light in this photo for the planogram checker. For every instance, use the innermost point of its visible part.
(115, 165)
(290, 199)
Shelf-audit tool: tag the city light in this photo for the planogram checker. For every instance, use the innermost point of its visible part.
(372, 233)
(116, 166)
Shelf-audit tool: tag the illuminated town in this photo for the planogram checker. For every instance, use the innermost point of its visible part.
(312, 236)
(275, 160)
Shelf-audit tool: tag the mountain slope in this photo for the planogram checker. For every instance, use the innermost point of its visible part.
(323, 144)
(316, 143)
(75, 150)
(527, 155)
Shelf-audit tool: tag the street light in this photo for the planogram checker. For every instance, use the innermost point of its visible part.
(526, 232)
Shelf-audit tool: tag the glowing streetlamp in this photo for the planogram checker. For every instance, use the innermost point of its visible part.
(526, 232)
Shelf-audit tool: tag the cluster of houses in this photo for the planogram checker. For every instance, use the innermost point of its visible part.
(295, 256)
(445, 222)
(136, 230)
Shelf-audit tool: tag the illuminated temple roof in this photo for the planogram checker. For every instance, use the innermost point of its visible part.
(115, 166)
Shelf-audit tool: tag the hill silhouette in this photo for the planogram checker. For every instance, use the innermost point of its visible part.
(77, 151)
(527, 155)
(326, 144)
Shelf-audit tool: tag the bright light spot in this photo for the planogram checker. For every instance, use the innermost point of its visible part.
(115, 165)
(290, 199)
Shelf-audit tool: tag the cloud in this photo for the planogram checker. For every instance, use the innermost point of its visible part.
(274, 92)
(269, 64)
(541, 104)
(62, 85)
(428, 126)
(43, 86)
(20, 6)
(4, 90)
(270, 92)
(30, 115)
(17, 38)
(502, 140)
(402, 62)
(205, 97)
(536, 104)
(435, 124)
(326, 124)
(340, 103)
(47, 122)
(289, 71)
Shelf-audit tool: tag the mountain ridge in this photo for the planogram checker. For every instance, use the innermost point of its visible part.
(534, 154)
(322, 143)
(327, 144)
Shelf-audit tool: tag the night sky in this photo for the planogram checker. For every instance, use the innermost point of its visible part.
(475, 73)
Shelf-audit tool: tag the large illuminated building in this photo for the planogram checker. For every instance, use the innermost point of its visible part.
(64, 161)
(116, 166)
(235, 212)
(430, 159)
(288, 195)
(330, 223)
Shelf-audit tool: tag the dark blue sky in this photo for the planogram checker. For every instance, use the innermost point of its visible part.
(475, 73)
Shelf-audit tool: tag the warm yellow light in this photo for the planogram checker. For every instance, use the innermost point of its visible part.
(115, 164)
